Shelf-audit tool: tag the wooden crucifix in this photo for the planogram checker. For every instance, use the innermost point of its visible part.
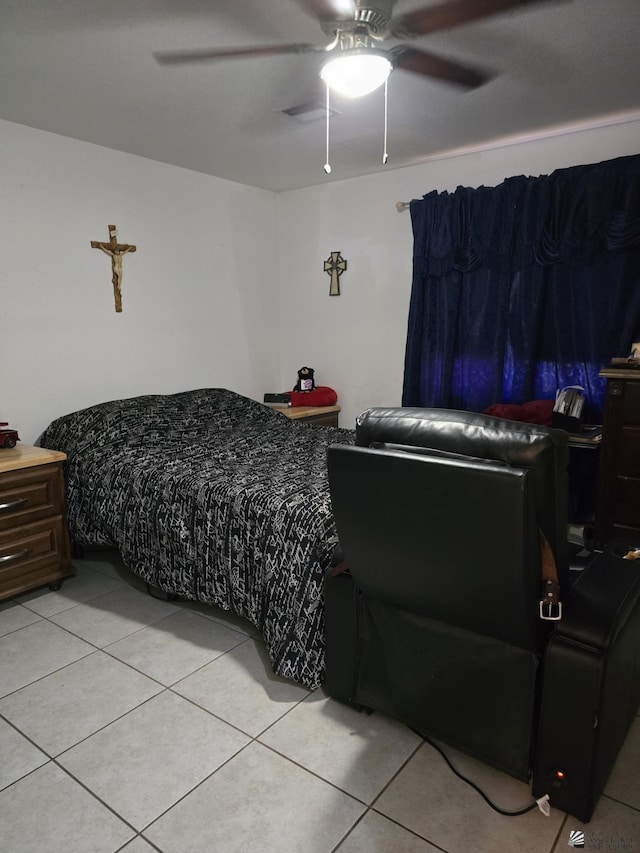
(116, 250)
(335, 265)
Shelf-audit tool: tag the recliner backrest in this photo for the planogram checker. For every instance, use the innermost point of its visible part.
(452, 540)
(541, 450)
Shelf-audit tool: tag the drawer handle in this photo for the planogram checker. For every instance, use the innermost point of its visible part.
(18, 556)
(12, 505)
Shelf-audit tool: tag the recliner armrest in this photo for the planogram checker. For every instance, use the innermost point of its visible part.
(601, 601)
(591, 685)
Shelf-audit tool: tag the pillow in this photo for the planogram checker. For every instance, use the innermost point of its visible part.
(320, 396)
(533, 412)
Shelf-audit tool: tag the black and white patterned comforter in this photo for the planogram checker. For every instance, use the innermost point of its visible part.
(216, 498)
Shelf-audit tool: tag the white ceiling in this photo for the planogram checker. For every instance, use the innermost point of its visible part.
(84, 69)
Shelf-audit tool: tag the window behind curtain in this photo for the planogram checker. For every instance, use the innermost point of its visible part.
(523, 288)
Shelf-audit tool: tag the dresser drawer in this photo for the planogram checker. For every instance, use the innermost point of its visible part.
(30, 494)
(32, 555)
(627, 458)
(631, 403)
(626, 501)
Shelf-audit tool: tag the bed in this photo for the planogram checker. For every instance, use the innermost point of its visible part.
(212, 497)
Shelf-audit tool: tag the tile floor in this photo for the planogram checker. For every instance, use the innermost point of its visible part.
(135, 724)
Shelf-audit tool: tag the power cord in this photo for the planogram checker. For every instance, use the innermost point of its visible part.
(542, 803)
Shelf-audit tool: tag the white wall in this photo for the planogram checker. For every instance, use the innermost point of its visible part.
(227, 286)
(356, 341)
(199, 294)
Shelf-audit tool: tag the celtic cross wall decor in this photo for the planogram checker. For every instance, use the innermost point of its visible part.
(334, 266)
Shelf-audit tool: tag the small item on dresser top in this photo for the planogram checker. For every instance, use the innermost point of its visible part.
(632, 360)
(8, 437)
(283, 399)
(306, 381)
(631, 363)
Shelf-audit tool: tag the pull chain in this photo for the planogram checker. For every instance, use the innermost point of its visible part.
(327, 167)
(385, 156)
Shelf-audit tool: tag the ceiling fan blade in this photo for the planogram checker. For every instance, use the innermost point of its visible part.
(184, 57)
(329, 10)
(451, 13)
(431, 65)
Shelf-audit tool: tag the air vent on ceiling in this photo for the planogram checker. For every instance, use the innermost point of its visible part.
(311, 111)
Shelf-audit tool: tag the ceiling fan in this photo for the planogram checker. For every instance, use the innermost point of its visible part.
(367, 32)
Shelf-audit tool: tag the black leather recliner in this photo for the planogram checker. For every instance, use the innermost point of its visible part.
(438, 615)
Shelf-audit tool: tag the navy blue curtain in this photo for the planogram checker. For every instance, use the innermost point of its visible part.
(524, 288)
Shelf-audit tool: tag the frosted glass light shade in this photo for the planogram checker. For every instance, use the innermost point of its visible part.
(355, 73)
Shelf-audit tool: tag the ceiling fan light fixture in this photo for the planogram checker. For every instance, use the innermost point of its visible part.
(356, 72)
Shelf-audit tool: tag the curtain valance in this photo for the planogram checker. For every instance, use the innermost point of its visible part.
(570, 215)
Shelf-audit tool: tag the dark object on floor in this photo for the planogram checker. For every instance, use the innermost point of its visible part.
(451, 633)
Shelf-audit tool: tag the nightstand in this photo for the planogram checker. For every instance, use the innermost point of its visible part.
(34, 542)
(322, 415)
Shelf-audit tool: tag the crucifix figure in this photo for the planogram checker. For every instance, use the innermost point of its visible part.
(335, 265)
(116, 250)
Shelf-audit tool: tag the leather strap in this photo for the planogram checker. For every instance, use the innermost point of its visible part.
(550, 602)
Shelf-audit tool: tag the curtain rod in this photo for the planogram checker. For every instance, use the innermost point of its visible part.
(402, 205)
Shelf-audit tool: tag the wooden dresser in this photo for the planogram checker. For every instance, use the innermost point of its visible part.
(618, 507)
(323, 415)
(34, 542)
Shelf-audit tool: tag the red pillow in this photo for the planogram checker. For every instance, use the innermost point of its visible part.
(533, 412)
(320, 396)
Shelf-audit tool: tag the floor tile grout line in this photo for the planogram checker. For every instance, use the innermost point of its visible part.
(620, 802)
(153, 846)
(181, 603)
(368, 811)
(121, 584)
(195, 787)
(55, 763)
(57, 755)
(82, 657)
(96, 797)
(164, 688)
(252, 739)
(560, 832)
(53, 672)
(424, 838)
(49, 618)
(101, 648)
(223, 720)
(47, 755)
(152, 677)
(54, 758)
(368, 807)
(280, 755)
(312, 772)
